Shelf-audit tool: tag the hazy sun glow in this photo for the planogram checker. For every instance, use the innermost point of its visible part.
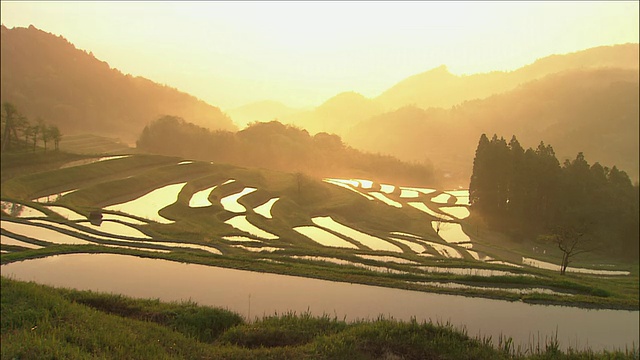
(302, 53)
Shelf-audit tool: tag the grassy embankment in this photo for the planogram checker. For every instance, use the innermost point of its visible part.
(42, 322)
(301, 198)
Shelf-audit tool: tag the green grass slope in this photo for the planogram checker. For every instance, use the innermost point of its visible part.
(42, 322)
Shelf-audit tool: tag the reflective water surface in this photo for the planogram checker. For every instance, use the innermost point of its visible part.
(324, 237)
(230, 203)
(148, 205)
(270, 293)
(241, 223)
(20, 210)
(382, 197)
(201, 198)
(370, 241)
(265, 209)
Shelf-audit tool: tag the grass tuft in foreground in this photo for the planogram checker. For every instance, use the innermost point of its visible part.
(42, 322)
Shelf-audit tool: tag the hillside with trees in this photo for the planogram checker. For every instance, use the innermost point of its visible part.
(47, 77)
(529, 194)
(594, 111)
(276, 146)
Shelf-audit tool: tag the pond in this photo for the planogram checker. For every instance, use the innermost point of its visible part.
(271, 293)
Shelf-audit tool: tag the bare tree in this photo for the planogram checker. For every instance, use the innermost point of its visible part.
(54, 133)
(571, 239)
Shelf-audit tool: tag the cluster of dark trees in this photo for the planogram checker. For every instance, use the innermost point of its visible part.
(528, 194)
(276, 146)
(17, 131)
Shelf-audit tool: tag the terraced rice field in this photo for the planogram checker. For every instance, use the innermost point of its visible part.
(214, 210)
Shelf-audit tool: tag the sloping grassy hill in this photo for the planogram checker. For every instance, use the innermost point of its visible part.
(93, 144)
(386, 235)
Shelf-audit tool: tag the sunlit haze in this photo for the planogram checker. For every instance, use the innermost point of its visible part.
(302, 53)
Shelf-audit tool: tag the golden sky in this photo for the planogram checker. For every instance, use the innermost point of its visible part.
(230, 53)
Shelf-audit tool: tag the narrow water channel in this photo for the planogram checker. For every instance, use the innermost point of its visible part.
(270, 293)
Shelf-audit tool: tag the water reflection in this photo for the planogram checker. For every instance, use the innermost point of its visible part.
(341, 183)
(459, 212)
(147, 206)
(444, 250)
(324, 237)
(387, 189)
(270, 293)
(415, 247)
(265, 209)
(123, 218)
(366, 184)
(379, 269)
(241, 223)
(20, 210)
(382, 197)
(241, 239)
(424, 208)
(53, 197)
(7, 240)
(42, 233)
(450, 232)
(452, 285)
(469, 271)
(201, 198)
(66, 212)
(91, 161)
(269, 249)
(230, 203)
(115, 228)
(382, 258)
(441, 198)
(554, 267)
(409, 193)
(370, 241)
(420, 190)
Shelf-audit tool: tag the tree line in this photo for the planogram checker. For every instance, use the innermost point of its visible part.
(276, 146)
(528, 194)
(16, 127)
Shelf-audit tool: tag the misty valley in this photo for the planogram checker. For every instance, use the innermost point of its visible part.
(401, 226)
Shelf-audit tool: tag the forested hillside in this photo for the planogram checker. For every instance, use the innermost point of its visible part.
(46, 77)
(276, 146)
(527, 193)
(593, 111)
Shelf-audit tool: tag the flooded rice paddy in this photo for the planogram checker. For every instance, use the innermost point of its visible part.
(323, 237)
(417, 255)
(231, 204)
(269, 294)
(241, 223)
(148, 205)
(20, 210)
(265, 209)
(367, 240)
